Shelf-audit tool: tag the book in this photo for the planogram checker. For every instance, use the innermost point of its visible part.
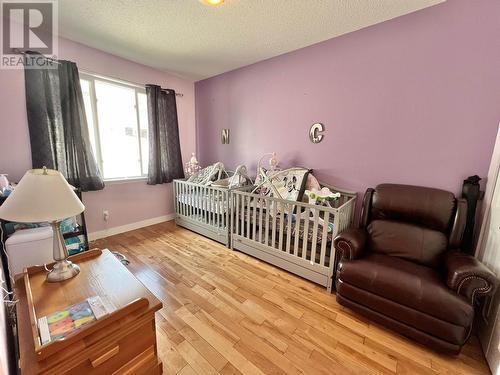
(62, 323)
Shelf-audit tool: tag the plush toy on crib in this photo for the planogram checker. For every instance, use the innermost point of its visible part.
(321, 197)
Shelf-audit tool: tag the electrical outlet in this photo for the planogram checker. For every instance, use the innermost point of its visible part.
(105, 215)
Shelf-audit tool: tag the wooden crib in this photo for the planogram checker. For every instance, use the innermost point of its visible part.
(203, 209)
(295, 236)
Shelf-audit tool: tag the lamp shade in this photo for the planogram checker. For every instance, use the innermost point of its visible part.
(41, 195)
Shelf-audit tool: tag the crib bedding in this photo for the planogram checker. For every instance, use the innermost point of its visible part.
(217, 176)
(311, 233)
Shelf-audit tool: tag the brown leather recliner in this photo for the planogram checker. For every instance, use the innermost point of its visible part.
(402, 268)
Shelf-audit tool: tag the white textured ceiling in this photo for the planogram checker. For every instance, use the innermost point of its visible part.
(197, 41)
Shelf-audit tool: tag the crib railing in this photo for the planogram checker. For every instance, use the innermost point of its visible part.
(293, 235)
(203, 209)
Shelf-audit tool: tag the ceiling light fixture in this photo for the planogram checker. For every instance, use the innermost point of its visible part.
(212, 2)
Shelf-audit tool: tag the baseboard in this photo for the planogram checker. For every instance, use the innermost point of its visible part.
(128, 227)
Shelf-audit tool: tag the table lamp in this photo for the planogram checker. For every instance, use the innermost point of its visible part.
(44, 195)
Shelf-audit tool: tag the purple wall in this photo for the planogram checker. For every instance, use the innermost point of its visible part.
(412, 100)
(127, 202)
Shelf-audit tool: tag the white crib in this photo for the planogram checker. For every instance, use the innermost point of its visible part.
(295, 236)
(203, 209)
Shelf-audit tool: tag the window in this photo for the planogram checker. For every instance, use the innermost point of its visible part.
(117, 116)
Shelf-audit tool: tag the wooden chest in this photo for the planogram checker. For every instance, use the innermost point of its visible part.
(123, 342)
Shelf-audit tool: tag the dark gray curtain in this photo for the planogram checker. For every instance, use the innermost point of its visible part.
(58, 125)
(165, 161)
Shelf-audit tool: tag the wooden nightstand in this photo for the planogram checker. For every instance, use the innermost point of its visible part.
(123, 342)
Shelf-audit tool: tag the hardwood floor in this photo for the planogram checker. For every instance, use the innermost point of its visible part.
(227, 313)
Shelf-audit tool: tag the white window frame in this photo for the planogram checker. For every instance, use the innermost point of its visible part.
(91, 78)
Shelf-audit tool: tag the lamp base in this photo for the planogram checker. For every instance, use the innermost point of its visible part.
(63, 270)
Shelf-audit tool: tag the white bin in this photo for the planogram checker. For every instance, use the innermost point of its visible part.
(29, 247)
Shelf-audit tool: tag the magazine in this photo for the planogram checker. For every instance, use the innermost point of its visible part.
(62, 323)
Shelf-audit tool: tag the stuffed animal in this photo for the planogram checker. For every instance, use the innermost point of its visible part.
(321, 196)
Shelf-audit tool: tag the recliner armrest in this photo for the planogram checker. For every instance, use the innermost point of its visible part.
(469, 277)
(351, 243)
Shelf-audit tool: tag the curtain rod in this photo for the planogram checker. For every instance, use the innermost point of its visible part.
(109, 78)
(118, 80)
(25, 53)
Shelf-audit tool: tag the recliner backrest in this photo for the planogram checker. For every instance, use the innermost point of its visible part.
(410, 222)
